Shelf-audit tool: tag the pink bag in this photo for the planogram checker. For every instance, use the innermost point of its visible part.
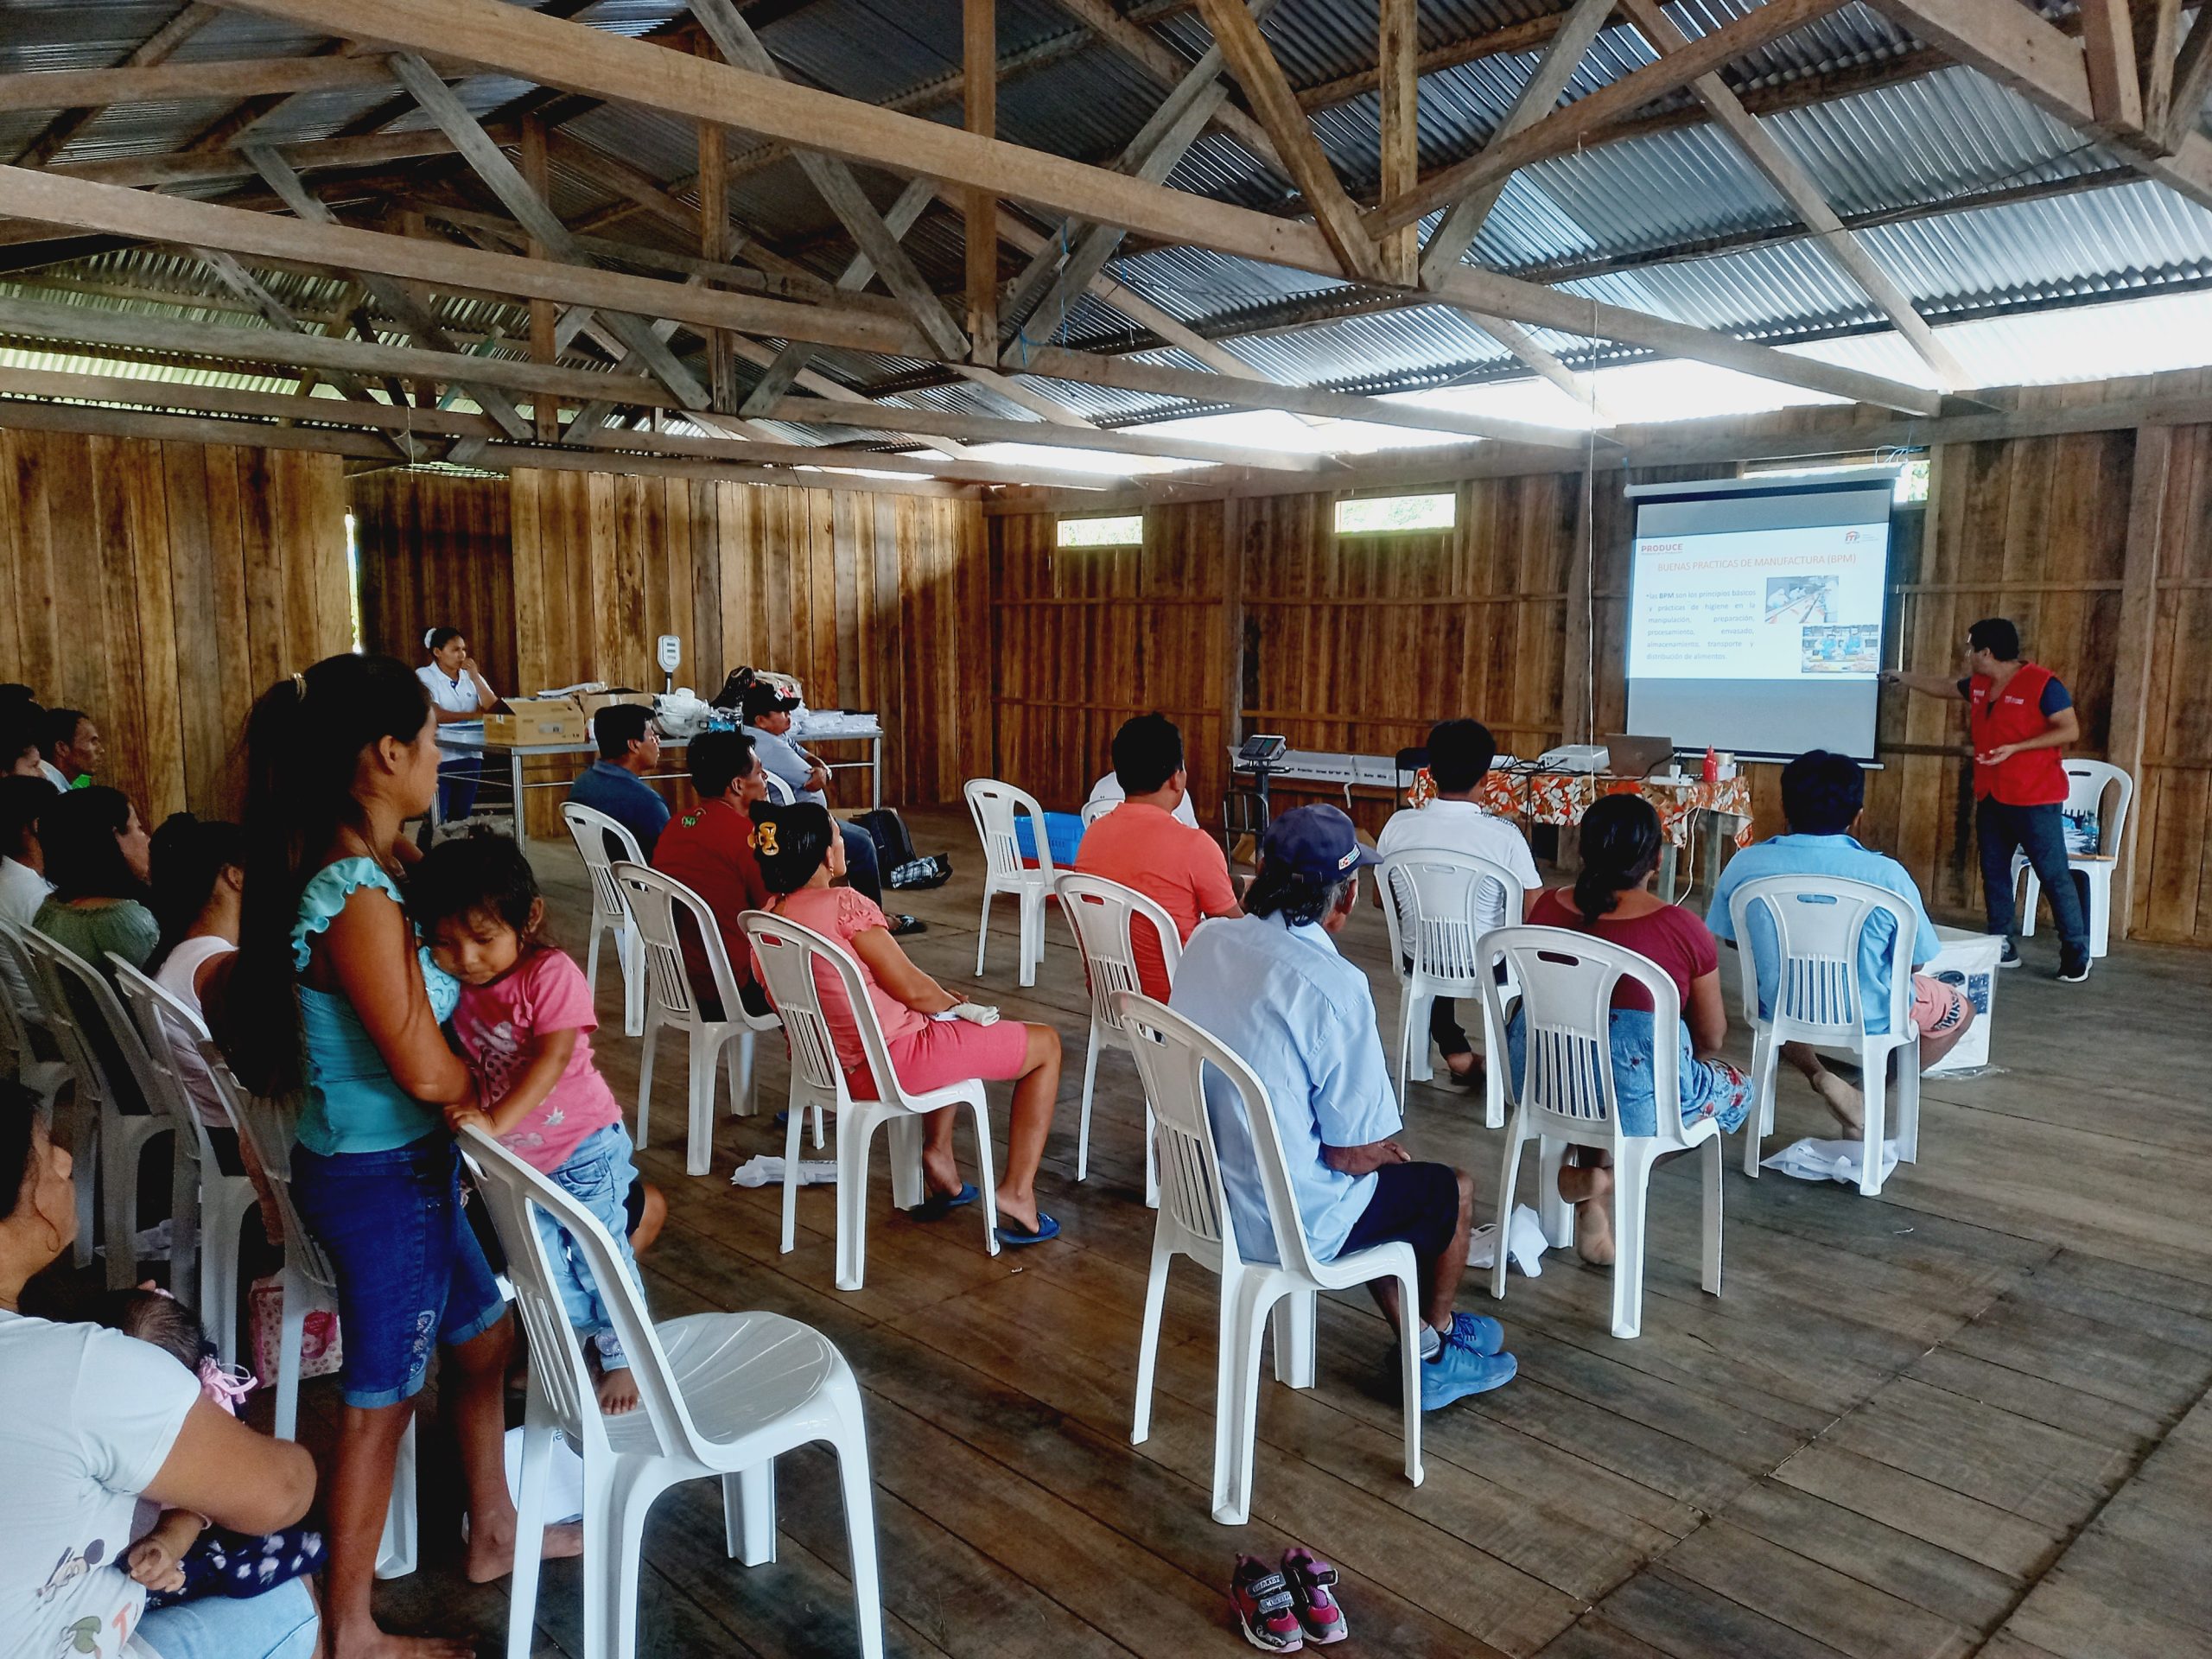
(320, 1351)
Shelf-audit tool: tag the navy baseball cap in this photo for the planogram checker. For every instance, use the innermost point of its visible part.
(1317, 843)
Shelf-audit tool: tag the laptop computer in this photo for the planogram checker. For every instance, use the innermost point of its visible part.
(1638, 757)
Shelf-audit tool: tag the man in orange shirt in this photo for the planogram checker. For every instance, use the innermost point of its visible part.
(1141, 844)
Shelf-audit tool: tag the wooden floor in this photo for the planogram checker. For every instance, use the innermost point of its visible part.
(1967, 1417)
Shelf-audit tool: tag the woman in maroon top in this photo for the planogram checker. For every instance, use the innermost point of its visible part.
(1613, 900)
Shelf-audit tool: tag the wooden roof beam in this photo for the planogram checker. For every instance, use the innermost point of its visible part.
(156, 49)
(563, 53)
(1563, 130)
(985, 429)
(1797, 188)
(2012, 45)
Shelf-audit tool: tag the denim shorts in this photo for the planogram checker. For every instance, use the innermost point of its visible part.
(410, 1270)
(281, 1625)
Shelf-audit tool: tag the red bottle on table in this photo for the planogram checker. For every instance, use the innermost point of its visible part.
(1711, 773)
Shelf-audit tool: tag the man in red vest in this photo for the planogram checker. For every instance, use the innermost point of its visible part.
(2021, 718)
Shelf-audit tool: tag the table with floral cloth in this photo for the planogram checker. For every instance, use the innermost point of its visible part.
(1562, 797)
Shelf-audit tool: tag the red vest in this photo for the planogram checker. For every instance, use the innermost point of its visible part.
(2012, 715)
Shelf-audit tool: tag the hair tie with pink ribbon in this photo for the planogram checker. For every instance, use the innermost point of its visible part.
(226, 1386)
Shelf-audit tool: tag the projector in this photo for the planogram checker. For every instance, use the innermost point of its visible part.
(1575, 757)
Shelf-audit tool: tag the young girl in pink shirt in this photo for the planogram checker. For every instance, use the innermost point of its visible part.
(524, 1023)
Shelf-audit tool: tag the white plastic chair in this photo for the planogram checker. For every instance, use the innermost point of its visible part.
(43, 1077)
(1568, 1096)
(1817, 922)
(1438, 904)
(271, 1127)
(1099, 914)
(653, 900)
(779, 792)
(1094, 810)
(719, 1396)
(590, 830)
(2087, 784)
(79, 1128)
(133, 1111)
(170, 1028)
(789, 956)
(1195, 1220)
(995, 808)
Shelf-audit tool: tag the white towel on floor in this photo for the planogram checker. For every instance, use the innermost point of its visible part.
(1827, 1160)
(761, 1170)
(1524, 1243)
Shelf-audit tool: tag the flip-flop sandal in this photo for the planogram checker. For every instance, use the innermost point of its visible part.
(938, 1206)
(1014, 1235)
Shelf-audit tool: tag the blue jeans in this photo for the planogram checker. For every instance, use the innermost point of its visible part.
(410, 1269)
(2040, 832)
(457, 784)
(597, 1175)
(863, 867)
(281, 1625)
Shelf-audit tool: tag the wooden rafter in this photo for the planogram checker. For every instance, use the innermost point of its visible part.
(1397, 49)
(979, 114)
(1253, 62)
(536, 214)
(153, 51)
(985, 429)
(833, 180)
(1559, 132)
(398, 301)
(2012, 44)
(512, 40)
(1788, 175)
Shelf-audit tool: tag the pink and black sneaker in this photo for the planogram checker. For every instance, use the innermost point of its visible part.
(1262, 1601)
(1310, 1577)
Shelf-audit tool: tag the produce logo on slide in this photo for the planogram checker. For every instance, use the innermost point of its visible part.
(1759, 604)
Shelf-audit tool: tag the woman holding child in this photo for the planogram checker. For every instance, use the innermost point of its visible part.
(331, 997)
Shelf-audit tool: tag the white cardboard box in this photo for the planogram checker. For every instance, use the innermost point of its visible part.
(1968, 960)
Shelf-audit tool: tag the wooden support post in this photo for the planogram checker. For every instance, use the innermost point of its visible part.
(2130, 674)
(1232, 619)
(545, 412)
(713, 247)
(1397, 64)
(979, 100)
(2108, 48)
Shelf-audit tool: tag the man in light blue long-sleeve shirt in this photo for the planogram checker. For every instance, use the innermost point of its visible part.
(1272, 986)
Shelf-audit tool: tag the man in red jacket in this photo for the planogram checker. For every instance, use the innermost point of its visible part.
(2021, 718)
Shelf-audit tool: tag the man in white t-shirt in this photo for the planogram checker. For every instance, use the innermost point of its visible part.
(1460, 754)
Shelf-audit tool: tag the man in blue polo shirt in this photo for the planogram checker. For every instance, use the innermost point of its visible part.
(629, 747)
(1822, 798)
(1271, 985)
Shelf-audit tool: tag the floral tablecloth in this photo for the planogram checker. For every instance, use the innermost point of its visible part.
(1561, 797)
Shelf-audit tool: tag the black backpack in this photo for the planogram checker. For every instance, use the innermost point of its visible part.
(902, 867)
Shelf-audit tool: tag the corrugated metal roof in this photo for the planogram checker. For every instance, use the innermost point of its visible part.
(1885, 155)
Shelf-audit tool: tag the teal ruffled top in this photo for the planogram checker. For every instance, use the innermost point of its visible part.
(353, 1104)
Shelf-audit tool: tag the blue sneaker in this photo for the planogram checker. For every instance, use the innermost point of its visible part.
(1475, 1331)
(1459, 1371)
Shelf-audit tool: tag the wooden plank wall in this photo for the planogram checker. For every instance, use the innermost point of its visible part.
(433, 552)
(875, 601)
(1087, 637)
(1359, 642)
(161, 588)
(2173, 865)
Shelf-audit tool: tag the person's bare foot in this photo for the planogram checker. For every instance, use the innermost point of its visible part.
(1593, 1220)
(370, 1643)
(618, 1391)
(941, 1174)
(492, 1552)
(1845, 1103)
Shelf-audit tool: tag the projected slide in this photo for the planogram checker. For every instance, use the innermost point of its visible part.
(1755, 615)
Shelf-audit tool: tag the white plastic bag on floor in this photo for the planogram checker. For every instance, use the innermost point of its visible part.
(761, 1170)
(1524, 1243)
(1827, 1160)
(564, 1478)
